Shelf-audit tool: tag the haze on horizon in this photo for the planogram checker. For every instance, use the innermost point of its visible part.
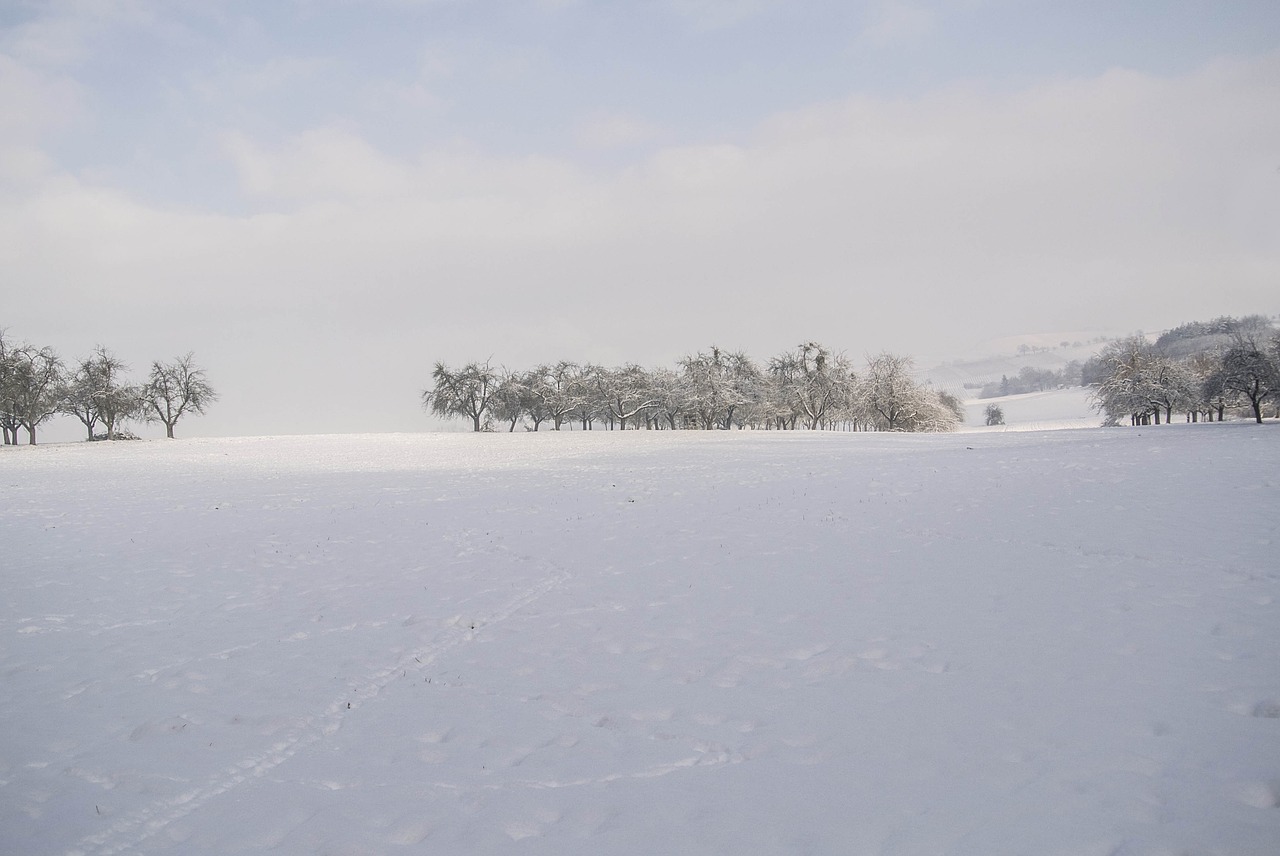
(320, 197)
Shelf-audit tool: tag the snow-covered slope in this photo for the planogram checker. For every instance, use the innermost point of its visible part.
(982, 643)
(1036, 411)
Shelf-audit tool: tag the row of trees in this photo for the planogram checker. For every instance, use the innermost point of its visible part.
(36, 385)
(1032, 379)
(1140, 381)
(810, 387)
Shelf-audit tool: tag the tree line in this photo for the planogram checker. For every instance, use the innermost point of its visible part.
(36, 385)
(1032, 379)
(810, 387)
(1199, 370)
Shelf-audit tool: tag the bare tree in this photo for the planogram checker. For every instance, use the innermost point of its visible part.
(9, 421)
(625, 393)
(670, 391)
(35, 387)
(590, 402)
(175, 389)
(98, 392)
(1247, 373)
(559, 391)
(466, 392)
(812, 382)
(893, 399)
(514, 399)
(1124, 388)
(718, 383)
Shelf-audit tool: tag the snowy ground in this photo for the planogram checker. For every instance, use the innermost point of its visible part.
(1050, 410)
(983, 643)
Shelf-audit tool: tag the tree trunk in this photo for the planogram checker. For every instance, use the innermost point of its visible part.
(168, 429)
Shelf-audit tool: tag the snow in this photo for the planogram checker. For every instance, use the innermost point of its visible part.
(1050, 410)
(602, 643)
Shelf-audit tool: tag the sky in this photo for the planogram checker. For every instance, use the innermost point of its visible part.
(321, 198)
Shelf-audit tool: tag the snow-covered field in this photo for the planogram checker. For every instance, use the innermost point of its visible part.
(1051, 410)
(645, 643)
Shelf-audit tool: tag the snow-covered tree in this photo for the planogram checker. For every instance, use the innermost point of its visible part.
(585, 381)
(506, 404)
(888, 393)
(35, 387)
(624, 393)
(9, 421)
(1170, 385)
(811, 383)
(175, 389)
(98, 391)
(465, 392)
(1247, 374)
(1125, 390)
(672, 399)
(718, 383)
(558, 389)
(950, 412)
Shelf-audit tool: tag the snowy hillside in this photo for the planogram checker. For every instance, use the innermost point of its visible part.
(1036, 411)
(645, 643)
(1002, 358)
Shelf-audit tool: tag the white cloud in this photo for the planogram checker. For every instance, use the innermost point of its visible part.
(320, 164)
(915, 224)
(614, 131)
(33, 102)
(718, 14)
(60, 36)
(897, 23)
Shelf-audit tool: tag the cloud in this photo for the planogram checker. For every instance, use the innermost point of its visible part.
(615, 131)
(897, 23)
(61, 35)
(33, 102)
(32, 105)
(720, 14)
(917, 224)
(326, 163)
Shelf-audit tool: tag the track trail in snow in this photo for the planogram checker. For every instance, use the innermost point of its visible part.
(780, 644)
(129, 833)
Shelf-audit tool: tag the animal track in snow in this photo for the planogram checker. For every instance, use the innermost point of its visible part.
(129, 832)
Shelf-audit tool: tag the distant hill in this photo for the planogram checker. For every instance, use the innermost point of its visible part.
(1008, 356)
(1200, 336)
